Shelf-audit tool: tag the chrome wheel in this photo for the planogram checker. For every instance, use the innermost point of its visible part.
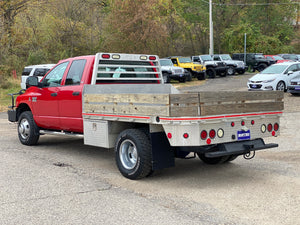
(24, 128)
(280, 86)
(128, 154)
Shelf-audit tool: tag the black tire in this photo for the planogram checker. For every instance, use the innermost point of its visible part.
(213, 161)
(231, 158)
(182, 79)
(28, 131)
(202, 76)
(280, 86)
(241, 72)
(223, 73)
(133, 154)
(166, 77)
(261, 67)
(189, 76)
(230, 70)
(211, 73)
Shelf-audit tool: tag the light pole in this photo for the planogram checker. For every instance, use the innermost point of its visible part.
(211, 30)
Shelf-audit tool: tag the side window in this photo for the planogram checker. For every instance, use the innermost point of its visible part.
(293, 68)
(217, 58)
(40, 72)
(196, 59)
(53, 79)
(26, 71)
(174, 61)
(75, 72)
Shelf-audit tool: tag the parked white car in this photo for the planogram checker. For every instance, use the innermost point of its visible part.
(274, 77)
(34, 70)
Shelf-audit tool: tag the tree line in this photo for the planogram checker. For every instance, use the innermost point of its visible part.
(44, 31)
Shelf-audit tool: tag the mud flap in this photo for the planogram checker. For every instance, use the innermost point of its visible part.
(240, 148)
(162, 153)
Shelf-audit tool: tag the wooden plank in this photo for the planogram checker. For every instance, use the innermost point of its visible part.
(207, 110)
(177, 111)
(127, 109)
(207, 97)
(189, 98)
(128, 98)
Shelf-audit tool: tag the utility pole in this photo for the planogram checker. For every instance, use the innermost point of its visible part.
(211, 30)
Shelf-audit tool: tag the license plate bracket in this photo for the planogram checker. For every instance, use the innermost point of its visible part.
(243, 135)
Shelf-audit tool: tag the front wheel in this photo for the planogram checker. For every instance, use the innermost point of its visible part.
(133, 154)
(230, 70)
(28, 131)
(280, 86)
(211, 73)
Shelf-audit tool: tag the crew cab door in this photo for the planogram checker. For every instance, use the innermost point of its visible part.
(45, 101)
(70, 97)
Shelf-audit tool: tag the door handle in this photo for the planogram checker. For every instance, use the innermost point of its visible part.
(53, 94)
(76, 93)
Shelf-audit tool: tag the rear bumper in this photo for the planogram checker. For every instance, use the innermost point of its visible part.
(239, 148)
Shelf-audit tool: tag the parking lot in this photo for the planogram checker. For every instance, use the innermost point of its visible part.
(62, 181)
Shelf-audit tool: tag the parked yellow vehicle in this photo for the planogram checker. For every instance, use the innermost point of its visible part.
(195, 69)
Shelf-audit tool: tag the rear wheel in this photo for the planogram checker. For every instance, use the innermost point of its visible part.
(133, 154)
(261, 67)
(189, 76)
(241, 71)
(28, 131)
(213, 161)
(166, 77)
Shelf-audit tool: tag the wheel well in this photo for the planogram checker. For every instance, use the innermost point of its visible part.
(22, 108)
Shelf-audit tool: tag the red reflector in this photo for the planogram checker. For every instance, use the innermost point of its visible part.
(212, 134)
(232, 124)
(152, 58)
(273, 133)
(243, 123)
(105, 56)
(169, 135)
(186, 135)
(208, 141)
(276, 126)
(203, 134)
(270, 127)
(252, 122)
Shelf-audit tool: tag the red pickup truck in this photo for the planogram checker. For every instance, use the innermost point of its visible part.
(120, 101)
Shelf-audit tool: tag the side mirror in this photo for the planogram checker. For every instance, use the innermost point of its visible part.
(290, 72)
(32, 81)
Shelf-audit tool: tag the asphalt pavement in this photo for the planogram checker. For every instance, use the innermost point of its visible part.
(62, 181)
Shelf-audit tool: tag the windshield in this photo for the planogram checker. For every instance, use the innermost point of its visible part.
(225, 57)
(185, 60)
(259, 56)
(276, 57)
(277, 68)
(206, 58)
(166, 62)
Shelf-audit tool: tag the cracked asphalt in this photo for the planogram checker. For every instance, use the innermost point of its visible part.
(62, 181)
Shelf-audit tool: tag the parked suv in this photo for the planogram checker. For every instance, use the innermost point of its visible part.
(34, 70)
(169, 71)
(213, 68)
(256, 61)
(292, 57)
(233, 65)
(194, 69)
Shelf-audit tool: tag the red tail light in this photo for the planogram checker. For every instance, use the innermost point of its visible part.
(243, 123)
(105, 56)
(276, 126)
(252, 122)
(203, 134)
(212, 134)
(186, 135)
(270, 127)
(169, 135)
(232, 124)
(152, 58)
